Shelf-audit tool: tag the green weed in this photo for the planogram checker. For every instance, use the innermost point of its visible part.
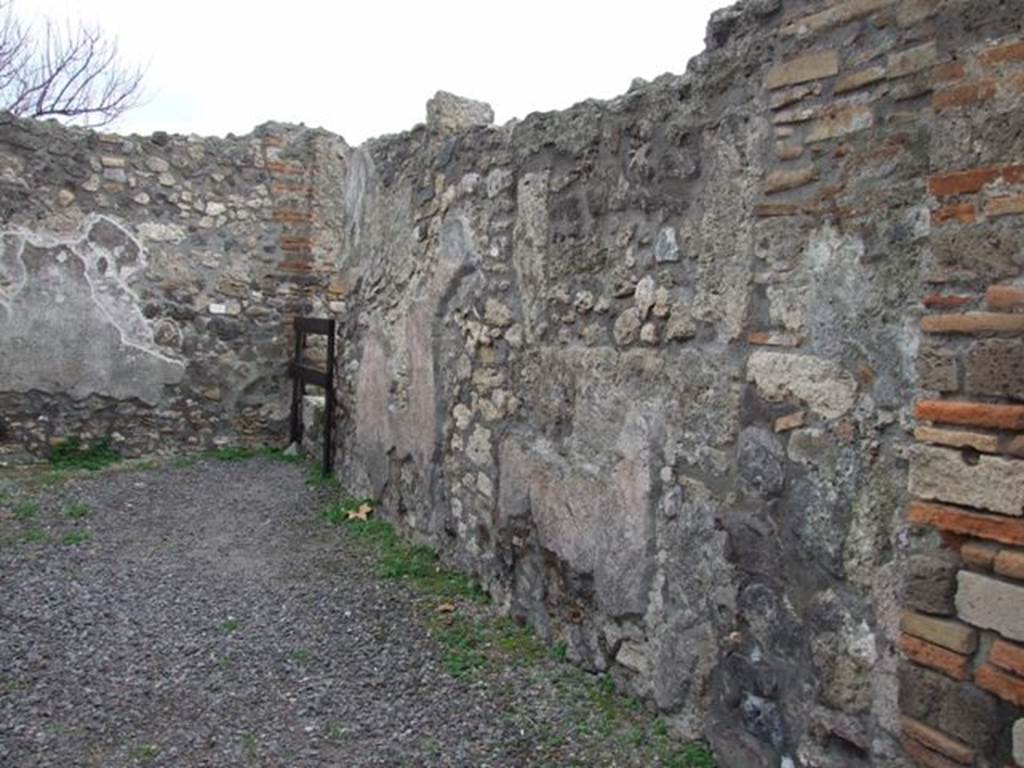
(473, 647)
(242, 453)
(559, 651)
(317, 478)
(517, 642)
(74, 538)
(695, 755)
(229, 625)
(143, 754)
(464, 642)
(249, 745)
(301, 656)
(400, 561)
(26, 510)
(35, 536)
(78, 511)
(72, 454)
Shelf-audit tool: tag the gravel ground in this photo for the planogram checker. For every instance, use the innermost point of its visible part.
(206, 615)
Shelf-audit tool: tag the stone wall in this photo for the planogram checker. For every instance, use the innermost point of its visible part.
(649, 368)
(146, 284)
(718, 382)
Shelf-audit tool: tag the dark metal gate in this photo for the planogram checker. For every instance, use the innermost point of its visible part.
(302, 375)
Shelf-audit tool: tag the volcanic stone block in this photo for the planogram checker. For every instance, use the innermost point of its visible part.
(958, 709)
(930, 585)
(987, 482)
(996, 367)
(991, 604)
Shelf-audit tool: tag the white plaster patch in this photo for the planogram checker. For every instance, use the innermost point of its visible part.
(822, 384)
(96, 298)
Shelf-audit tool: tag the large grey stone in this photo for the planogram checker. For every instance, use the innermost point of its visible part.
(448, 113)
(972, 479)
(930, 582)
(761, 462)
(996, 367)
(959, 709)
(991, 604)
(821, 383)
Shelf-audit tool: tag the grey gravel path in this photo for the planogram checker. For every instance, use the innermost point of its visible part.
(212, 618)
(207, 615)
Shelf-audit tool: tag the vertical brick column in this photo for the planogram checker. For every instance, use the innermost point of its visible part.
(292, 190)
(964, 605)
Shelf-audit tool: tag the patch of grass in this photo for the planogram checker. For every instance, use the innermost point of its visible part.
(26, 510)
(72, 454)
(622, 718)
(242, 453)
(249, 746)
(74, 538)
(695, 755)
(473, 647)
(517, 642)
(559, 651)
(184, 462)
(464, 642)
(400, 561)
(78, 511)
(316, 478)
(144, 753)
(229, 625)
(35, 536)
(231, 453)
(12, 686)
(52, 478)
(337, 513)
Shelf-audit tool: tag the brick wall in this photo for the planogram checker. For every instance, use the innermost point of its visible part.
(903, 115)
(966, 623)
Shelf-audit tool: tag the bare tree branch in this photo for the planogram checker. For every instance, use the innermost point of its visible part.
(73, 74)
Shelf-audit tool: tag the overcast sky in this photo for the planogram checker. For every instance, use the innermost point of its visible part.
(366, 68)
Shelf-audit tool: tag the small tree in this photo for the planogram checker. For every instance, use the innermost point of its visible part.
(72, 73)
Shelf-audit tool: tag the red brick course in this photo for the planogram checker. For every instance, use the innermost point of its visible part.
(1006, 530)
(970, 181)
(1009, 417)
(940, 659)
(1005, 297)
(1004, 685)
(1008, 656)
(967, 95)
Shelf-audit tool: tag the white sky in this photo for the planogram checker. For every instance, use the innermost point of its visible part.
(366, 68)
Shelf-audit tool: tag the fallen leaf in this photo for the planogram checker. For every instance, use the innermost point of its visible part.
(446, 608)
(362, 513)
